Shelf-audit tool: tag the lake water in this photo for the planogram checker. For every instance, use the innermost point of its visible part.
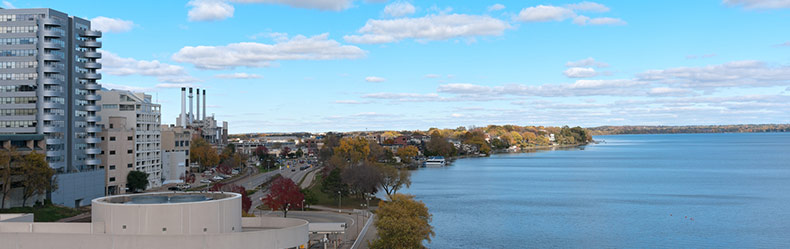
(633, 191)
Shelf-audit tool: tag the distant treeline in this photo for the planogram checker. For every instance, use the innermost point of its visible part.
(614, 130)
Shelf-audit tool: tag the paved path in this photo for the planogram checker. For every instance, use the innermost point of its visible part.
(295, 176)
(309, 179)
(355, 222)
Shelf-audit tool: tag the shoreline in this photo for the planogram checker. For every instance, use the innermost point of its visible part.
(524, 150)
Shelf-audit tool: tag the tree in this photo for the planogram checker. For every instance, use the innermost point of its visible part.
(407, 153)
(262, 152)
(393, 179)
(333, 183)
(439, 146)
(36, 176)
(402, 223)
(299, 153)
(285, 152)
(378, 153)
(362, 179)
(225, 168)
(8, 170)
(353, 149)
(246, 202)
(137, 181)
(283, 195)
(201, 152)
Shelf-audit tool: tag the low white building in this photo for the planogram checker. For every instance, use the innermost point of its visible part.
(158, 220)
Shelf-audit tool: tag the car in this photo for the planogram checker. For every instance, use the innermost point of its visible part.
(218, 178)
(235, 172)
(205, 181)
(293, 170)
(174, 188)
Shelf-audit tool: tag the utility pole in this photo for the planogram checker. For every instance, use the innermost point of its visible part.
(339, 200)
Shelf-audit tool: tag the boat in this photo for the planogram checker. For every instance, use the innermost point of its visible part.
(435, 161)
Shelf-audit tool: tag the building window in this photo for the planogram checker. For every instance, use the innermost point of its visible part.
(112, 167)
(129, 138)
(129, 165)
(112, 152)
(112, 138)
(129, 151)
(112, 179)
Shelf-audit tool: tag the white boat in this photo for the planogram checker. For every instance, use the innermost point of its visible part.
(436, 161)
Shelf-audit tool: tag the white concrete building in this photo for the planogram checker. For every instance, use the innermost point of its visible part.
(145, 117)
(158, 220)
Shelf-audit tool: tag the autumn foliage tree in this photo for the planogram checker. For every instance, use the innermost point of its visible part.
(402, 222)
(407, 153)
(201, 152)
(8, 159)
(36, 176)
(353, 149)
(283, 195)
(391, 179)
(246, 202)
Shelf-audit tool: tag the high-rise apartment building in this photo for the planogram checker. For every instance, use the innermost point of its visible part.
(145, 118)
(48, 85)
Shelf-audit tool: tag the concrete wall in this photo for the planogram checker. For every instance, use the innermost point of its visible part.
(83, 186)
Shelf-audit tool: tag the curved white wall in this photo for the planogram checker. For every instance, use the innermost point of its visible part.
(220, 215)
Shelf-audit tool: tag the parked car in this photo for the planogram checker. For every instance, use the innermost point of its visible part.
(234, 172)
(205, 181)
(218, 178)
(174, 188)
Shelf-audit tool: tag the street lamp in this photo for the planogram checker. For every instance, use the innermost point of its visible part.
(339, 200)
(302, 204)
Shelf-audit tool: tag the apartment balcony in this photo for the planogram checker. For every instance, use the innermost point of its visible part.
(95, 161)
(92, 76)
(93, 129)
(93, 151)
(52, 117)
(92, 87)
(50, 93)
(50, 81)
(55, 153)
(50, 33)
(92, 140)
(47, 128)
(53, 105)
(51, 57)
(95, 55)
(92, 44)
(92, 33)
(95, 97)
(92, 65)
(50, 69)
(93, 118)
(50, 22)
(54, 141)
(52, 45)
(92, 108)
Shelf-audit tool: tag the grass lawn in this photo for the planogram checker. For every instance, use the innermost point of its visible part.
(50, 213)
(348, 202)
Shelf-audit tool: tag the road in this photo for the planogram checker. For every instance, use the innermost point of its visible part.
(256, 180)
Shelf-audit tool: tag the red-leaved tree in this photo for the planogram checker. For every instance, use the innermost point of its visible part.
(285, 152)
(284, 195)
(225, 168)
(246, 202)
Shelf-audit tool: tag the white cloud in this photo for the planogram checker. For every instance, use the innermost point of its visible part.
(580, 72)
(589, 7)
(432, 27)
(351, 102)
(126, 87)
(758, 4)
(544, 13)
(618, 87)
(464, 88)
(116, 65)
(669, 91)
(432, 76)
(8, 5)
(209, 10)
(238, 76)
(785, 44)
(334, 5)
(374, 79)
(732, 74)
(111, 25)
(588, 62)
(399, 8)
(253, 54)
(496, 7)
(403, 97)
(457, 115)
(179, 79)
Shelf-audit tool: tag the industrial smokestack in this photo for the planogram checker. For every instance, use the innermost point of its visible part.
(204, 104)
(183, 116)
(197, 103)
(190, 106)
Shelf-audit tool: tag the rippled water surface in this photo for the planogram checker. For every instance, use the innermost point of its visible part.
(633, 191)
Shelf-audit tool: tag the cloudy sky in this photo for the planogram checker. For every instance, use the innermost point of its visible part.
(319, 65)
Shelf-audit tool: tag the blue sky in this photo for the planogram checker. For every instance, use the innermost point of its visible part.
(341, 65)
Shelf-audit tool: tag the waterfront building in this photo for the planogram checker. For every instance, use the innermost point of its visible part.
(48, 84)
(144, 117)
